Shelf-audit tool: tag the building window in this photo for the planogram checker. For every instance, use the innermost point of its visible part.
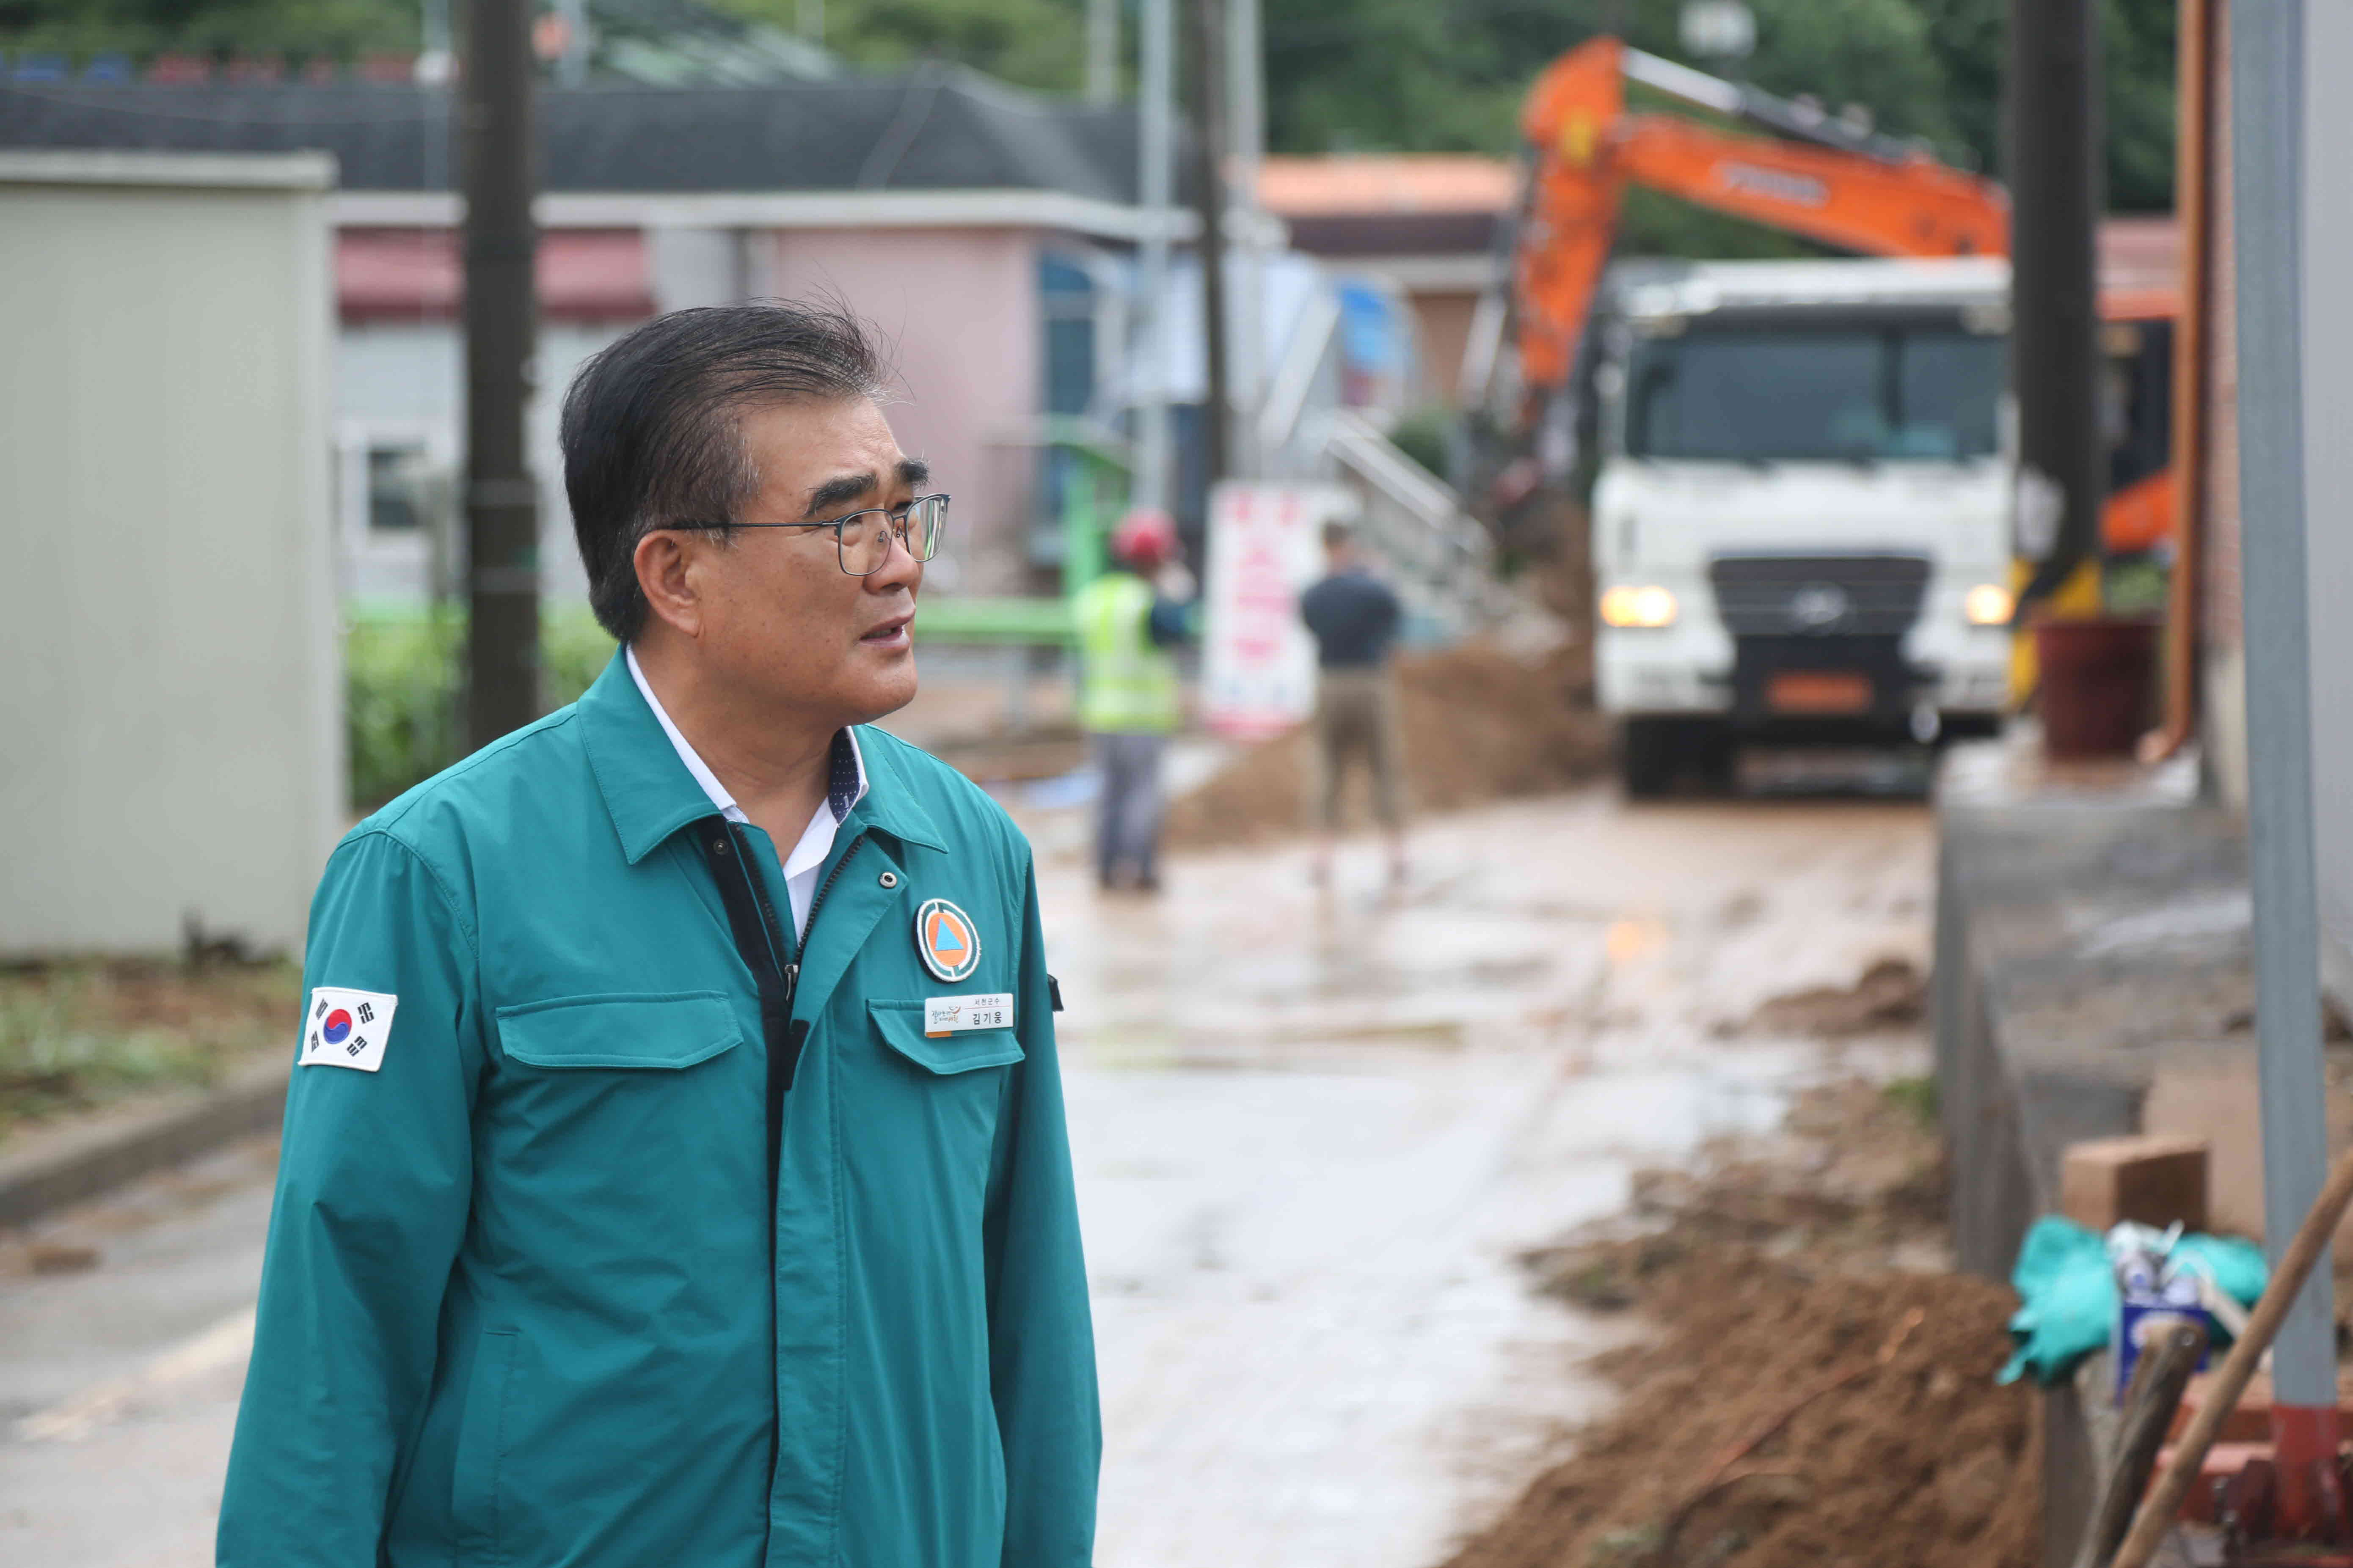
(396, 488)
(1067, 300)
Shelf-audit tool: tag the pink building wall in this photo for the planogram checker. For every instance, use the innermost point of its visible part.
(959, 310)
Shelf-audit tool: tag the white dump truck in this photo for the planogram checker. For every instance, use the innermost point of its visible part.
(1801, 518)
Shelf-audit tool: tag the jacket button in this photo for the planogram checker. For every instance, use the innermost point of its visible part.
(719, 847)
(889, 878)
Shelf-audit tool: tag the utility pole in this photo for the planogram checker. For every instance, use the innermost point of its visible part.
(572, 65)
(2053, 155)
(1210, 199)
(1246, 96)
(1103, 51)
(2267, 197)
(1156, 146)
(494, 135)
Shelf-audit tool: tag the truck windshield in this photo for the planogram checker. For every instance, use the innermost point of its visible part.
(1731, 393)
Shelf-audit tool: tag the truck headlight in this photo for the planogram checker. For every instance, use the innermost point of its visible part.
(1989, 604)
(1646, 607)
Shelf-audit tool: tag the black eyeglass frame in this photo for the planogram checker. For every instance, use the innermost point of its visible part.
(899, 519)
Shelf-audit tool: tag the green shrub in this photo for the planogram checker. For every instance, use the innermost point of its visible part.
(573, 652)
(403, 689)
(1424, 436)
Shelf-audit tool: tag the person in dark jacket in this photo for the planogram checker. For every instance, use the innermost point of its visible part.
(1354, 617)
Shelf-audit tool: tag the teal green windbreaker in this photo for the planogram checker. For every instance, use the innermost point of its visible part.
(532, 1295)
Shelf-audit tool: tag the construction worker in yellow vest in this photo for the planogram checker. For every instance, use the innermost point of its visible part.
(1130, 701)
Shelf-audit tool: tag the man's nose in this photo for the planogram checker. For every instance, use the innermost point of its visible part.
(899, 569)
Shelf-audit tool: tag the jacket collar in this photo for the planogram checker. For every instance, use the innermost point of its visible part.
(651, 795)
(893, 804)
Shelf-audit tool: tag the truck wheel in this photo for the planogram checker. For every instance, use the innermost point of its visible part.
(1715, 753)
(1646, 757)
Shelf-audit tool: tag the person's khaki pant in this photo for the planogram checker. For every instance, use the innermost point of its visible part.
(1357, 715)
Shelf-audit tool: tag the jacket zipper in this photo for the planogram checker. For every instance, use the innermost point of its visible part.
(793, 970)
(780, 1075)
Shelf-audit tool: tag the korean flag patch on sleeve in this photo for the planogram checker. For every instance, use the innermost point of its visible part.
(347, 1028)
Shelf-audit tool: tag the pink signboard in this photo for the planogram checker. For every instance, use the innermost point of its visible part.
(1258, 663)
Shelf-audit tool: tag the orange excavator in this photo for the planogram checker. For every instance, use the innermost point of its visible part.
(1829, 178)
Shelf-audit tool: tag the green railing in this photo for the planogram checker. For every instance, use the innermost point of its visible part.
(958, 618)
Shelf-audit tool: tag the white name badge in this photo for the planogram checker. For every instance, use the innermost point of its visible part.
(953, 1014)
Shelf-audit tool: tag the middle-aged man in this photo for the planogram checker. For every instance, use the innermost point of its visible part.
(675, 1173)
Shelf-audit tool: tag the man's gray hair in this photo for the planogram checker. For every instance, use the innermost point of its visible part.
(652, 432)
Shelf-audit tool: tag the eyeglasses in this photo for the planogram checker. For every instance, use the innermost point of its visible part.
(862, 539)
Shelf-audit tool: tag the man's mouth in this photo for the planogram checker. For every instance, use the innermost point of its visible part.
(892, 633)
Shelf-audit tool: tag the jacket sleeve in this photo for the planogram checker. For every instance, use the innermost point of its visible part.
(373, 1182)
(1170, 622)
(1041, 1340)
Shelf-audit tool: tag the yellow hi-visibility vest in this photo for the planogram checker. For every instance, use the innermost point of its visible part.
(1126, 685)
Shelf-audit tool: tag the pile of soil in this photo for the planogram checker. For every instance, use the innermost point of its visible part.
(1891, 995)
(1814, 1395)
(1480, 724)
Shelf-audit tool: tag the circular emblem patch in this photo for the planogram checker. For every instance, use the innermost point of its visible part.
(339, 1023)
(947, 940)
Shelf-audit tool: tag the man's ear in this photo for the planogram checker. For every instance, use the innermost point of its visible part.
(664, 562)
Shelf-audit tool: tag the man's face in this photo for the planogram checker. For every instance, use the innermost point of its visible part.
(781, 620)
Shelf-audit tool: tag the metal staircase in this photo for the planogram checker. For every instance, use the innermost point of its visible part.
(1439, 557)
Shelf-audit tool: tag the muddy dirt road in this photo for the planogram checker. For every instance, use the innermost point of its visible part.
(1313, 1131)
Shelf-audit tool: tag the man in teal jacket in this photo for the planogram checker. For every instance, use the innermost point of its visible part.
(622, 1222)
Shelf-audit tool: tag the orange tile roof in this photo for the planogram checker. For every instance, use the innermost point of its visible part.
(1384, 183)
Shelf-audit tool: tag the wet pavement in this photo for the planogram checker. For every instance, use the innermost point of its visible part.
(1313, 1129)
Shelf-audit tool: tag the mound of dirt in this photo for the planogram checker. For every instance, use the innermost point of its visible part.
(1811, 1396)
(1481, 723)
(1891, 995)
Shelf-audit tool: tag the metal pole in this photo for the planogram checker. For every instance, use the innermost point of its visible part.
(434, 58)
(494, 133)
(1210, 199)
(1246, 88)
(1103, 51)
(1156, 73)
(2054, 191)
(2267, 231)
(572, 65)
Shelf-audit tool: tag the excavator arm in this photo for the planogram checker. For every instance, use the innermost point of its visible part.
(1848, 188)
(1815, 175)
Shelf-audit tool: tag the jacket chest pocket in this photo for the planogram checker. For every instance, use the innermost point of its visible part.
(672, 1030)
(945, 1090)
(628, 1101)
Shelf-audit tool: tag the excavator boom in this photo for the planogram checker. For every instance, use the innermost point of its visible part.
(1842, 186)
(1828, 178)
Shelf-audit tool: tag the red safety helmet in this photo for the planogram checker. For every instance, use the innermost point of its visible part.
(1146, 537)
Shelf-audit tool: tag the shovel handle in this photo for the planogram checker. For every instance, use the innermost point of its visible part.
(2163, 1503)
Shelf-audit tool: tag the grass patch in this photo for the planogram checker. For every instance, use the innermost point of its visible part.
(1917, 1095)
(74, 1037)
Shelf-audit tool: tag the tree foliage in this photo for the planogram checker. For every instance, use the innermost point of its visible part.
(1350, 75)
(338, 29)
(1413, 75)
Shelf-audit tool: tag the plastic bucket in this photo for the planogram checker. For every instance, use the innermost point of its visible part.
(2099, 683)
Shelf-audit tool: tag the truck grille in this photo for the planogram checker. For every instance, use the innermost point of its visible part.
(1819, 596)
